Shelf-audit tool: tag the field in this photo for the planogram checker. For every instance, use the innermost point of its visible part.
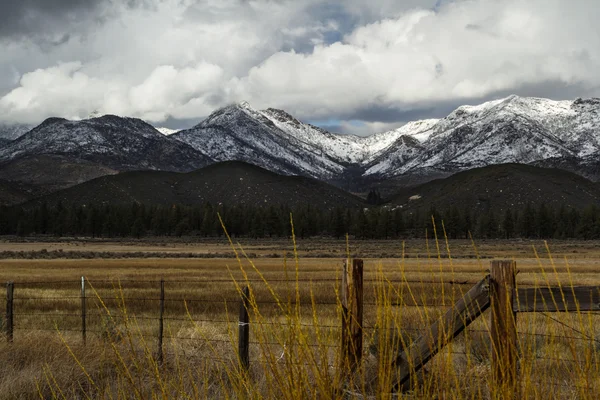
(295, 320)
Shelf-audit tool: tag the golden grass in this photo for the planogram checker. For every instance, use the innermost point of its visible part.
(294, 350)
(310, 248)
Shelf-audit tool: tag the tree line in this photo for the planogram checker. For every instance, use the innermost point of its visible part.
(138, 220)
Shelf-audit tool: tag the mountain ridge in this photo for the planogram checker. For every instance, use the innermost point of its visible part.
(228, 183)
(119, 143)
(525, 130)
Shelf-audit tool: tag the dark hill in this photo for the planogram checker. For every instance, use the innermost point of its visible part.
(501, 187)
(228, 183)
(13, 193)
(49, 173)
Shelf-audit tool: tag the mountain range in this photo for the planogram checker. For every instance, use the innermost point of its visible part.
(60, 153)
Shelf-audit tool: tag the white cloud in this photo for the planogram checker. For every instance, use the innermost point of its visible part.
(183, 58)
(467, 50)
(167, 91)
(62, 91)
(67, 91)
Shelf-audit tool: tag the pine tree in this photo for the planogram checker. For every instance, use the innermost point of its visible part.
(42, 223)
(543, 222)
(527, 222)
(433, 221)
(398, 223)
(183, 227)
(374, 198)
(338, 223)
(383, 224)
(362, 225)
(589, 224)
(467, 223)
(21, 230)
(452, 222)
(493, 229)
(508, 224)
(137, 229)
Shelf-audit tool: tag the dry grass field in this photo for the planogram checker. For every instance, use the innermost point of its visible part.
(311, 248)
(295, 321)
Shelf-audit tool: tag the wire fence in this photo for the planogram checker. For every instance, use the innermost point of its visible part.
(36, 299)
(102, 308)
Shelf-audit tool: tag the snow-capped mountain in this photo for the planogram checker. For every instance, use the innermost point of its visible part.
(510, 130)
(12, 132)
(111, 141)
(275, 140)
(239, 132)
(562, 134)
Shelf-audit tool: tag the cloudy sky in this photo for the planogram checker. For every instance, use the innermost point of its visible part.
(353, 65)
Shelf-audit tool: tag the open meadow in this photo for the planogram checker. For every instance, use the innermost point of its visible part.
(295, 320)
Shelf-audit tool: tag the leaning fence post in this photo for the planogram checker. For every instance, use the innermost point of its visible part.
(503, 327)
(244, 330)
(160, 321)
(10, 289)
(83, 311)
(352, 315)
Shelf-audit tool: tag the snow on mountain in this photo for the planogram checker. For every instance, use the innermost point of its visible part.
(345, 148)
(12, 132)
(510, 130)
(167, 131)
(120, 143)
(239, 132)
(565, 134)
(342, 148)
(275, 140)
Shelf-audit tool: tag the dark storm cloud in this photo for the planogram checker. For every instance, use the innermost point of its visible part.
(19, 18)
(55, 18)
(387, 115)
(334, 12)
(180, 124)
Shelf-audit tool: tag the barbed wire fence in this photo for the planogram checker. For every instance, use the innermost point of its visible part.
(95, 309)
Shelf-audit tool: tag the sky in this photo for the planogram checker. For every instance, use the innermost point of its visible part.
(349, 65)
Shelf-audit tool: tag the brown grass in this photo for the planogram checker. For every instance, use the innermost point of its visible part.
(306, 248)
(294, 350)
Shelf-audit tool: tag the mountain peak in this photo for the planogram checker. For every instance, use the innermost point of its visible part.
(52, 121)
(107, 118)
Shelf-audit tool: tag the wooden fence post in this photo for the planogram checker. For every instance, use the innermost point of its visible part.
(503, 327)
(244, 330)
(83, 311)
(10, 289)
(441, 332)
(352, 315)
(160, 321)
